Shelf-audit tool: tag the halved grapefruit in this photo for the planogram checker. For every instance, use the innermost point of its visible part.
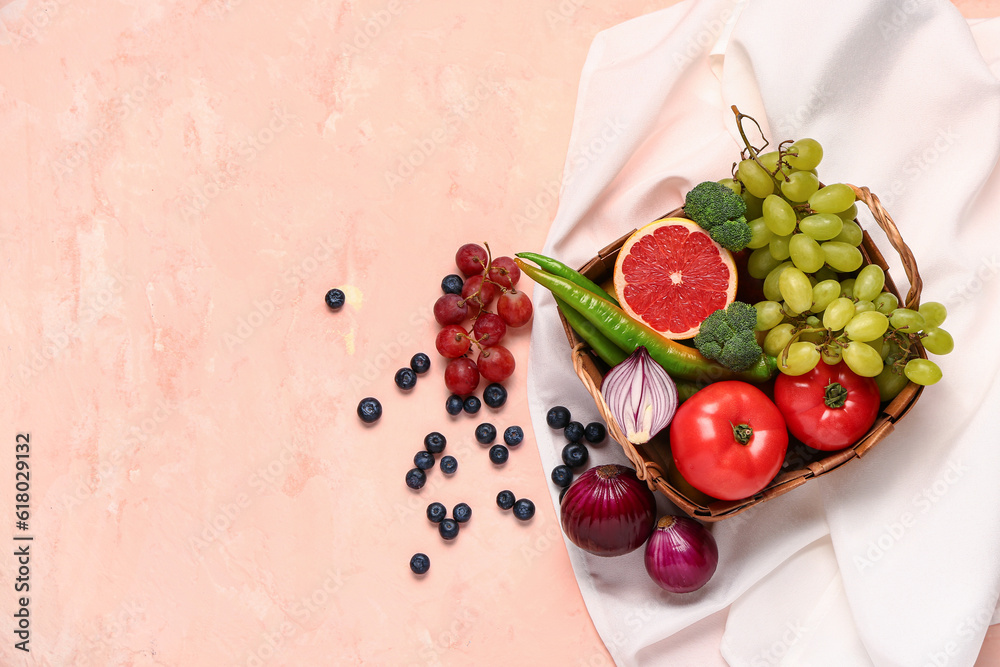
(671, 275)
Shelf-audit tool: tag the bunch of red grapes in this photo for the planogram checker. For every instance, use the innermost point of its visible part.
(487, 280)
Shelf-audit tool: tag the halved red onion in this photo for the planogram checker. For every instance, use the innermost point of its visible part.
(641, 396)
(681, 555)
(608, 511)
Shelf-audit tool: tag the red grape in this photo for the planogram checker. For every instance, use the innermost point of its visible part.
(452, 342)
(471, 259)
(514, 308)
(450, 309)
(504, 272)
(496, 363)
(489, 329)
(461, 376)
(487, 292)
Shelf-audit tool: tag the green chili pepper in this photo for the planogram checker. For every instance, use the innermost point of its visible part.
(557, 268)
(598, 342)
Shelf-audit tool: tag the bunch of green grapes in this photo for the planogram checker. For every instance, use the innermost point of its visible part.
(821, 303)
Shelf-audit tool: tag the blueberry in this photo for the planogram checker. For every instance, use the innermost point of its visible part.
(461, 513)
(472, 405)
(415, 479)
(449, 464)
(420, 363)
(595, 432)
(423, 460)
(336, 298)
(513, 436)
(558, 417)
(563, 493)
(436, 512)
(486, 433)
(499, 454)
(420, 563)
(448, 529)
(524, 509)
(562, 475)
(406, 378)
(573, 431)
(434, 442)
(575, 455)
(454, 404)
(505, 500)
(452, 284)
(494, 395)
(369, 409)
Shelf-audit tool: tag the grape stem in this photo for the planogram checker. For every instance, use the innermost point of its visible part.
(754, 152)
(783, 357)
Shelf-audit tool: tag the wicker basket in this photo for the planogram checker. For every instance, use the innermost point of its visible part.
(652, 460)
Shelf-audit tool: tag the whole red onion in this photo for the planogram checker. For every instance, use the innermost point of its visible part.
(608, 511)
(681, 555)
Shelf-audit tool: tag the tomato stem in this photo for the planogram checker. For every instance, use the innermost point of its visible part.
(742, 432)
(834, 395)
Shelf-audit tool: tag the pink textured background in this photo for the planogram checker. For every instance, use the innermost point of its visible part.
(181, 184)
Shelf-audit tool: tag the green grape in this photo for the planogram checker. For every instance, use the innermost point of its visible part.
(869, 283)
(906, 320)
(821, 226)
(847, 288)
(814, 322)
(867, 326)
(842, 256)
(824, 292)
(770, 161)
(771, 291)
(934, 313)
(809, 154)
(778, 215)
(886, 303)
(802, 358)
(937, 341)
(778, 246)
(732, 185)
(805, 253)
(832, 198)
(832, 354)
(863, 359)
(890, 382)
(816, 337)
(757, 181)
(777, 338)
(891, 353)
(769, 315)
(826, 273)
(795, 289)
(754, 205)
(788, 310)
(878, 345)
(838, 314)
(850, 234)
(799, 186)
(760, 235)
(863, 306)
(849, 213)
(760, 263)
(922, 371)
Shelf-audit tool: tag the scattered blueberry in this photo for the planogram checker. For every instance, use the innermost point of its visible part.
(452, 284)
(420, 563)
(434, 442)
(494, 395)
(448, 529)
(423, 460)
(336, 299)
(415, 479)
(595, 432)
(562, 475)
(461, 513)
(420, 363)
(449, 464)
(563, 493)
(369, 409)
(574, 431)
(513, 436)
(406, 378)
(505, 500)
(472, 405)
(436, 512)
(558, 417)
(524, 509)
(486, 433)
(454, 404)
(575, 455)
(499, 454)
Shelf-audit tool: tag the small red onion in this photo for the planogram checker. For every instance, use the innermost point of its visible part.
(681, 555)
(608, 511)
(640, 395)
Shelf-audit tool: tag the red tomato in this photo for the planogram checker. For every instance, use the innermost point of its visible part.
(728, 440)
(828, 408)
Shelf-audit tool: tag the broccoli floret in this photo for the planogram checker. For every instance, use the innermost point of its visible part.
(732, 234)
(727, 335)
(711, 203)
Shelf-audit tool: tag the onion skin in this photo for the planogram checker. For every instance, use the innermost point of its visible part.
(608, 511)
(681, 555)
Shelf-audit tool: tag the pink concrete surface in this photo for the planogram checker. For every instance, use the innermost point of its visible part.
(181, 182)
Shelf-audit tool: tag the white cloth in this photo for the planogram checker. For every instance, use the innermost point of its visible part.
(895, 559)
